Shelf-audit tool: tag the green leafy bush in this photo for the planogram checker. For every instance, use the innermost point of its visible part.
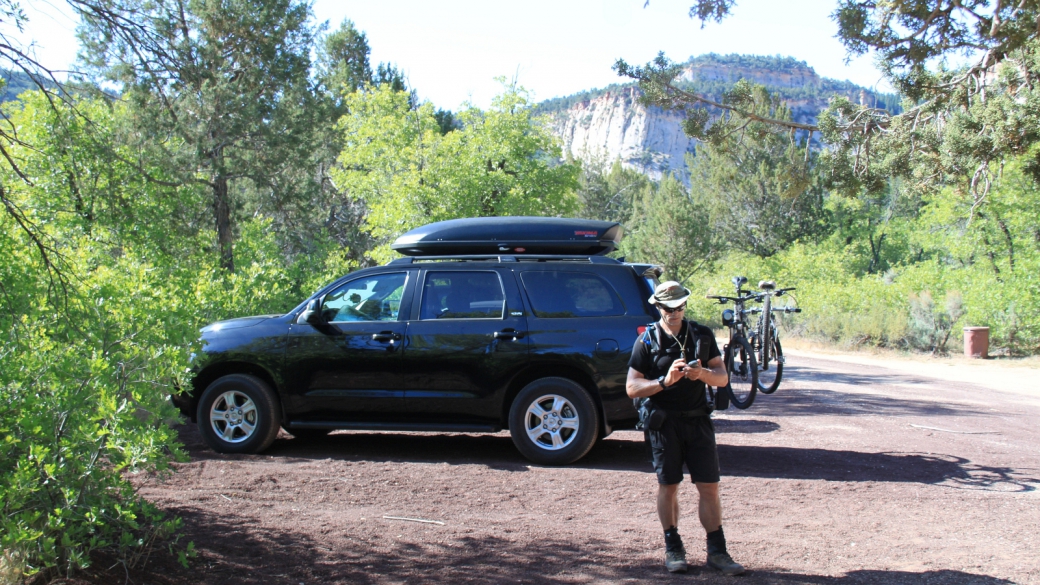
(930, 324)
(896, 310)
(97, 336)
(82, 404)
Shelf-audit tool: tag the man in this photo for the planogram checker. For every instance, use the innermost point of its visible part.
(666, 366)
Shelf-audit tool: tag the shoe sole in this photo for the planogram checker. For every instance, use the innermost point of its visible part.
(682, 569)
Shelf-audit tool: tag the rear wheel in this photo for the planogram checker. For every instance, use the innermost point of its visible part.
(554, 421)
(239, 414)
(743, 372)
(769, 373)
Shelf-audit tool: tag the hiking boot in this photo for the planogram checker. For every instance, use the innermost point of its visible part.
(721, 561)
(675, 560)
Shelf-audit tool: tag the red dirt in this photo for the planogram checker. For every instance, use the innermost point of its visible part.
(850, 473)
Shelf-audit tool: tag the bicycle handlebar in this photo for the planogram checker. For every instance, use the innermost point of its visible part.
(723, 300)
(755, 296)
(777, 309)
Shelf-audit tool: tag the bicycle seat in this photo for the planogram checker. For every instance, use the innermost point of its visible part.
(766, 284)
(739, 280)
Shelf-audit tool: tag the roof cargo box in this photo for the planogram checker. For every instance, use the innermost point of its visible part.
(511, 235)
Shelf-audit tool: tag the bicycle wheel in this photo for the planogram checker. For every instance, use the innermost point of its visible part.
(770, 372)
(743, 372)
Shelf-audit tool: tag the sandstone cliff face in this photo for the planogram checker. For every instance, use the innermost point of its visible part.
(611, 124)
(614, 125)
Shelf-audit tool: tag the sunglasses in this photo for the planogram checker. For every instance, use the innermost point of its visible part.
(675, 310)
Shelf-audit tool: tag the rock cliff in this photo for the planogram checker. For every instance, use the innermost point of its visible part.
(601, 126)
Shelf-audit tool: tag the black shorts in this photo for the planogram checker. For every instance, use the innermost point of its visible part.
(685, 440)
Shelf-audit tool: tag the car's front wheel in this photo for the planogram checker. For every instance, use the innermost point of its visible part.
(554, 421)
(239, 413)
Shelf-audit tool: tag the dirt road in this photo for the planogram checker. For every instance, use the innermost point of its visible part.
(850, 473)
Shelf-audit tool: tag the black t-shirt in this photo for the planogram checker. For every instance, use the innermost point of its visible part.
(699, 342)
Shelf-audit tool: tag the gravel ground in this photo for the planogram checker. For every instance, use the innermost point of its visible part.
(856, 471)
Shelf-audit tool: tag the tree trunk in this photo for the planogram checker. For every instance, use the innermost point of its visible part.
(222, 214)
(875, 253)
(1010, 243)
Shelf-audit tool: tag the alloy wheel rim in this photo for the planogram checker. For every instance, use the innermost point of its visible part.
(233, 417)
(552, 422)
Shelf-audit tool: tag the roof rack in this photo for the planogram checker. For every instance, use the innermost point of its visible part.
(510, 258)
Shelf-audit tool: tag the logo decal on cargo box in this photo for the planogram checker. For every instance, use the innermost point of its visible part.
(586, 234)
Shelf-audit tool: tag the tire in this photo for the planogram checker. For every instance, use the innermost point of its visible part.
(743, 372)
(554, 421)
(239, 413)
(769, 376)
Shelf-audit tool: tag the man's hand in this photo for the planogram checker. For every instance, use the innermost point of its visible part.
(713, 375)
(694, 371)
(676, 372)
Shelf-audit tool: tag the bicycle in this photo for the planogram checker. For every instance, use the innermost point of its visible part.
(764, 339)
(738, 354)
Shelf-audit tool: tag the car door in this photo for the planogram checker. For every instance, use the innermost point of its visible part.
(466, 340)
(578, 319)
(348, 368)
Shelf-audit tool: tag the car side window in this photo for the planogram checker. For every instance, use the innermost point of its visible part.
(373, 298)
(462, 295)
(570, 294)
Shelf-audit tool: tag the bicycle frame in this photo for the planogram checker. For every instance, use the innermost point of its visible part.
(739, 357)
(764, 337)
(738, 327)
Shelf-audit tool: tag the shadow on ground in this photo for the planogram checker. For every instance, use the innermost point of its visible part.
(624, 453)
(807, 391)
(232, 552)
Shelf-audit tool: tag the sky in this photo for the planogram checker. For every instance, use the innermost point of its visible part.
(451, 51)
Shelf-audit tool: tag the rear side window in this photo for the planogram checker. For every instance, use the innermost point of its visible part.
(462, 295)
(556, 294)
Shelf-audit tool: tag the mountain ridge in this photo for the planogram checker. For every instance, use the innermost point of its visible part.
(601, 125)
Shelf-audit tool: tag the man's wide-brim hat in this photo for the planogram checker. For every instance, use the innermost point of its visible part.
(671, 294)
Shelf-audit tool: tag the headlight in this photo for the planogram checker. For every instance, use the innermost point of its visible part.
(727, 317)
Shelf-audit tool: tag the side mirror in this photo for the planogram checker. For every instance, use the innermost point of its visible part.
(312, 314)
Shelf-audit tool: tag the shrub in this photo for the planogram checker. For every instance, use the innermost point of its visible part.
(931, 325)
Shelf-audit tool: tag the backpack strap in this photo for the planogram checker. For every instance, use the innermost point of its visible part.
(652, 338)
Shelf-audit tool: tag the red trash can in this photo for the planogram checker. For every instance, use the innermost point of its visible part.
(976, 342)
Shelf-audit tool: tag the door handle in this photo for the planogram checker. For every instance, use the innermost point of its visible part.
(386, 336)
(508, 334)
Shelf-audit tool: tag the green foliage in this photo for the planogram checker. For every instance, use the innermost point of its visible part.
(83, 405)
(229, 100)
(982, 270)
(934, 200)
(908, 34)
(667, 227)
(15, 82)
(609, 196)
(499, 162)
(90, 358)
(343, 60)
(760, 189)
(930, 324)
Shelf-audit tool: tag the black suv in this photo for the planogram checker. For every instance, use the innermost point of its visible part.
(516, 323)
